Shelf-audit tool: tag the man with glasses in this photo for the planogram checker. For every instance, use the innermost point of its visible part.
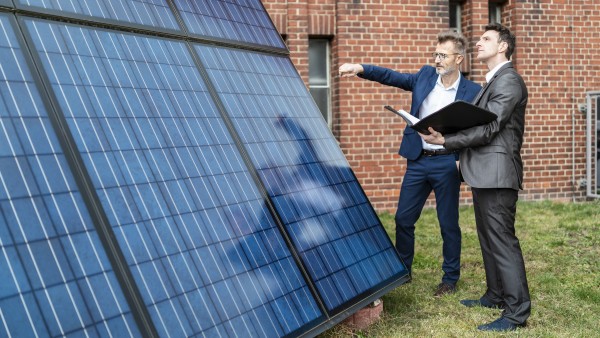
(429, 167)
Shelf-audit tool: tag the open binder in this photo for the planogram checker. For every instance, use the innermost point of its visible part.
(454, 117)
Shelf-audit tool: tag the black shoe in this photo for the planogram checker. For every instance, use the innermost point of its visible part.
(500, 325)
(480, 302)
(444, 289)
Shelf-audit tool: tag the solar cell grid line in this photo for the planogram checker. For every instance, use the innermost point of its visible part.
(286, 309)
(241, 21)
(51, 258)
(156, 14)
(264, 93)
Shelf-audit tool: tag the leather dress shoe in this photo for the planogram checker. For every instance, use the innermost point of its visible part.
(480, 302)
(500, 325)
(445, 289)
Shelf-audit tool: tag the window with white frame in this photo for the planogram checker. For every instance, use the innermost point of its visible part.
(319, 80)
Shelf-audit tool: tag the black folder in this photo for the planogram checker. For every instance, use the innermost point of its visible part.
(454, 117)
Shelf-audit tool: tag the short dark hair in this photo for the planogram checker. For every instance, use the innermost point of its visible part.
(460, 42)
(504, 34)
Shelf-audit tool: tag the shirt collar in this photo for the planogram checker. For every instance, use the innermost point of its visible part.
(454, 85)
(492, 72)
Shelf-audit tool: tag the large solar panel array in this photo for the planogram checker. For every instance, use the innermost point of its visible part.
(161, 184)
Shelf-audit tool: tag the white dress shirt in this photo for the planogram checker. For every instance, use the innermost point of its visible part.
(438, 98)
(491, 73)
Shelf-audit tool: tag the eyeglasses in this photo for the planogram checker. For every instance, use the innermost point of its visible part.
(442, 56)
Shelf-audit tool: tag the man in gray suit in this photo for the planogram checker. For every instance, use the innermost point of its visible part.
(490, 162)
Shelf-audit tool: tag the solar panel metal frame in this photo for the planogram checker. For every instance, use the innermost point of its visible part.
(94, 205)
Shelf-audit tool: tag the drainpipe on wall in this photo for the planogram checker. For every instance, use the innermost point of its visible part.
(574, 111)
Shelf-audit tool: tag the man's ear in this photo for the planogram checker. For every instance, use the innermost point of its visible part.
(503, 47)
(459, 59)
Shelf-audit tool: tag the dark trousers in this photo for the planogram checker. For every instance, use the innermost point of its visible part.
(495, 211)
(437, 173)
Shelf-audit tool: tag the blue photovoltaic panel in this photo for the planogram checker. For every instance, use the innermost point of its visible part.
(203, 248)
(52, 263)
(242, 21)
(334, 228)
(154, 13)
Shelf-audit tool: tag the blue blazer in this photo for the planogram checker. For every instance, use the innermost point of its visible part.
(420, 84)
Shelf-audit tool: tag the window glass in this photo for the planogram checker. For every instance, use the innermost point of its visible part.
(455, 16)
(318, 75)
(495, 12)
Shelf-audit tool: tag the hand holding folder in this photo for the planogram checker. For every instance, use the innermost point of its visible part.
(454, 117)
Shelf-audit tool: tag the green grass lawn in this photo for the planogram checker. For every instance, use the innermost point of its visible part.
(561, 247)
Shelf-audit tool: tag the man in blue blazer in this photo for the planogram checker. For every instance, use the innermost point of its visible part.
(429, 167)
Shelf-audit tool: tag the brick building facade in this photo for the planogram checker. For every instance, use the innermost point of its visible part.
(557, 43)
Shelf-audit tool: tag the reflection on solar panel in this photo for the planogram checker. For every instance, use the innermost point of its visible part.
(324, 210)
(152, 186)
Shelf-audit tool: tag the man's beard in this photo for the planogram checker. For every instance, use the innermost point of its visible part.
(443, 71)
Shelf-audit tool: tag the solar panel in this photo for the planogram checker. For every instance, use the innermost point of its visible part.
(52, 261)
(242, 21)
(153, 13)
(326, 213)
(197, 184)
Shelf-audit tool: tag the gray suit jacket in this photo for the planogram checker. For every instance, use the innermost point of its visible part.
(491, 154)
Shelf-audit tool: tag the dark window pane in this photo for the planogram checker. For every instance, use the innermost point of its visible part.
(321, 97)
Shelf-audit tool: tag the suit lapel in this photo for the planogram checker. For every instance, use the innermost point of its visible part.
(462, 88)
(430, 84)
(480, 94)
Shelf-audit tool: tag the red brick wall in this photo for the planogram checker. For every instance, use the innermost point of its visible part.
(556, 43)
(555, 56)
